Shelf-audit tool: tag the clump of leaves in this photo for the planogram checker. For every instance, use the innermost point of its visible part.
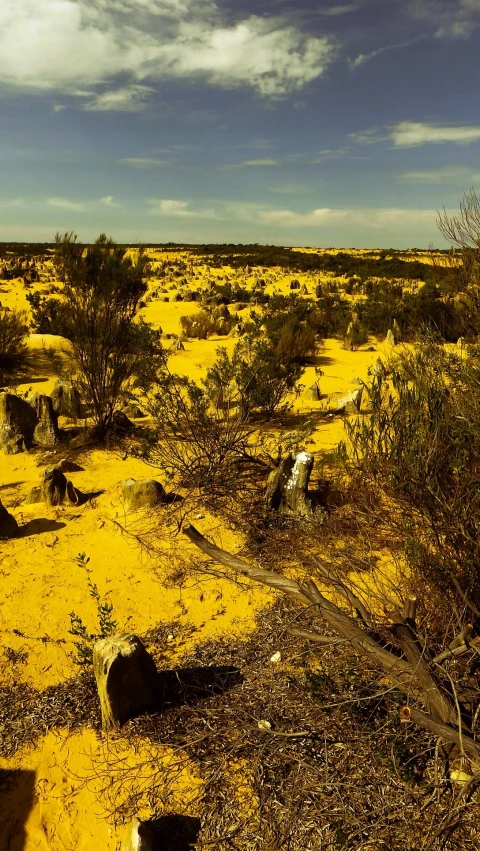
(83, 653)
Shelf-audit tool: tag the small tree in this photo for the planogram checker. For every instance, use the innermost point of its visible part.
(102, 289)
(261, 378)
(13, 351)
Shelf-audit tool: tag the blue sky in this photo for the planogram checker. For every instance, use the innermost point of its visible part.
(332, 123)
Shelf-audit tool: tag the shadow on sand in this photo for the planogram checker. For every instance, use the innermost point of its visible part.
(175, 832)
(187, 686)
(17, 796)
(38, 526)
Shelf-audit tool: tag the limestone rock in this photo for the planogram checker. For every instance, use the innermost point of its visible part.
(390, 339)
(144, 493)
(287, 485)
(378, 369)
(46, 431)
(34, 495)
(139, 836)
(68, 466)
(121, 423)
(54, 486)
(126, 678)
(66, 400)
(133, 412)
(8, 524)
(349, 403)
(313, 392)
(396, 331)
(17, 424)
(177, 346)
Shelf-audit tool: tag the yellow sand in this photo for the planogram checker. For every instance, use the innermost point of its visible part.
(42, 584)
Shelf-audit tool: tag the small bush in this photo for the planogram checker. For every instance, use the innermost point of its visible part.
(13, 351)
(83, 654)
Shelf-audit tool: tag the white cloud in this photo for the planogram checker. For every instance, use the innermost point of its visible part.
(127, 99)
(410, 134)
(366, 57)
(451, 18)
(260, 163)
(80, 47)
(109, 201)
(141, 162)
(372, 218)
(456, 174)
(66, 204)
(12, 202)
(172, 208)
(339, 10)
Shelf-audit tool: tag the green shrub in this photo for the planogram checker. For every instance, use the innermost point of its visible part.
(13, 350)
(83, 654)
(420, 450)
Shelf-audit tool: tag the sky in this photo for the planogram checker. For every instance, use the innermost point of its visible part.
(289, 122)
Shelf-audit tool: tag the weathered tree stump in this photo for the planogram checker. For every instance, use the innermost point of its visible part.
(8, 524)
(126, 678)
(139, 837)
(287, 486)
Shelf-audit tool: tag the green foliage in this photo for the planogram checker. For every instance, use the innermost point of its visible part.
(199, 325)
(49, 315)
(102, 290)
(257, 375)
(13, 350)
(292, 327)
(83, 654)
(196, 443)
(420, 448)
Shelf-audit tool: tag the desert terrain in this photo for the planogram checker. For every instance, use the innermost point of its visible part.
(55, 767)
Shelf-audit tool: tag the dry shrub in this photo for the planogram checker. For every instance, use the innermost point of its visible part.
(336, 768)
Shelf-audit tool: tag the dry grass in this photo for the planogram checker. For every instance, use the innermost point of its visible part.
(335, 770)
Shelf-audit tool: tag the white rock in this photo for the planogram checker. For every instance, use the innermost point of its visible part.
(277, 657)
(264, 725)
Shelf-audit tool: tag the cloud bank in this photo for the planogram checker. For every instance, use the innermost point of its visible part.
(83, 47)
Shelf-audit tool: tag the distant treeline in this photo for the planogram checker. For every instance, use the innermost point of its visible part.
(253, 255)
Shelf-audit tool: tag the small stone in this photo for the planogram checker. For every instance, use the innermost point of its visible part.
(277, 657)
(264, 725)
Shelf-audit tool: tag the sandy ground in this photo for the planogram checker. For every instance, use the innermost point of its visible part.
(49, 806)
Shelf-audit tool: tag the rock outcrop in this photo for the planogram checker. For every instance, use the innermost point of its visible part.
(126, 678)
(46, 431)
(17, 424)
(144, 493)
(56, 489)
(8, 524)
(66, 400)
(350, 403)
(313, 393)
(121, 423)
